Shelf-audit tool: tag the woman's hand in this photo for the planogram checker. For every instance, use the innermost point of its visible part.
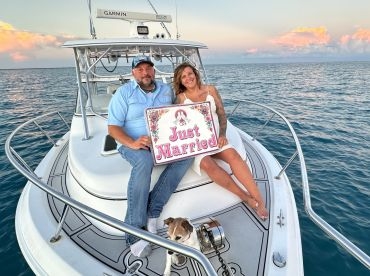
(222, 141)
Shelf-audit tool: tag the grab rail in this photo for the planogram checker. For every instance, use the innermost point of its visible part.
(18, 163)
(327, 228)
(22, 167)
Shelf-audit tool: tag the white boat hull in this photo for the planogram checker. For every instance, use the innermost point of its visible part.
(88, 247)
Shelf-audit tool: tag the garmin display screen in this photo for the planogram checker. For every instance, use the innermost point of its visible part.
(142, 30)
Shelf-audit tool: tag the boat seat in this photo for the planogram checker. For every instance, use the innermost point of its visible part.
(110, 145)
(112, 88)
(106, 175)
(100, 102)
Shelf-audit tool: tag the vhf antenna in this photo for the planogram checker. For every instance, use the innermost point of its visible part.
(92, 28)
(162, 24)
(177, 26)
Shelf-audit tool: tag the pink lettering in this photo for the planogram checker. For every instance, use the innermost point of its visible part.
(183, 134)
(163, 151)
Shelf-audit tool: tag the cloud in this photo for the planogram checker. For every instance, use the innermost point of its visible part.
(299, 42)
(358, 42)
(18, 56)
(303, 37)
(251, 51)
(362, 35)
(23, 45)
(313, 44)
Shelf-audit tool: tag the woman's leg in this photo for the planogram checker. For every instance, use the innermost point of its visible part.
(222, 178)
(245, 177)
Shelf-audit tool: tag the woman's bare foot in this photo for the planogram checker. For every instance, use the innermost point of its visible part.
(260, 209)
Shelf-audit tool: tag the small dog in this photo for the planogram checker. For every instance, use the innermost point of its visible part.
(181, 231)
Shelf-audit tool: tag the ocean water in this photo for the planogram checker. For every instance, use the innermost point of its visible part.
(328, 104)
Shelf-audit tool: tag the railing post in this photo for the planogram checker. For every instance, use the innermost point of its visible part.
(261, 128)
(20, 159)
(62, 118)
(235, 108)
(57, 235)
(45, 133)
(287, 164)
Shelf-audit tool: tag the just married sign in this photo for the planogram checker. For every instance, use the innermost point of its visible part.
(180, 131)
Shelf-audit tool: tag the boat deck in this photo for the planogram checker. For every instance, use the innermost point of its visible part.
(241, 226)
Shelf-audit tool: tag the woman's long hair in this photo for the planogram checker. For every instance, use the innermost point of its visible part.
(177, 85)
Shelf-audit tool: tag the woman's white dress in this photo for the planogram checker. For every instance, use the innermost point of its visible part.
(231, 136)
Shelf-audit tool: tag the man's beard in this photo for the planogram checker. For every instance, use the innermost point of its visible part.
(144, 84)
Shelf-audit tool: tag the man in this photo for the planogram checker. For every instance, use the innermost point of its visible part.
(126, 124)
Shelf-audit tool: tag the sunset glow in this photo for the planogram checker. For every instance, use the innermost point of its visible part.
(260, 31)
(19, 45)
(302, 37)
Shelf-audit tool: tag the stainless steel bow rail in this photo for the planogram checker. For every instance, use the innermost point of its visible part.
(24, 169)
(327, 228)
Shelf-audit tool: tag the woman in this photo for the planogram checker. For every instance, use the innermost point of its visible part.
(189, 89)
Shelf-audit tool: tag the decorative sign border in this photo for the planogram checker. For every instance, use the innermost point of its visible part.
(180, 131)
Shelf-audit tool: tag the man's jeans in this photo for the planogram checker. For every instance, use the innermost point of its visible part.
(140, 204)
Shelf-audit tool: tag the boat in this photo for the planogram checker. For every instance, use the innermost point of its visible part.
(69, 218)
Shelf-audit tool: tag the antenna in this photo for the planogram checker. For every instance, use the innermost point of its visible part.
(92, 28)
(162, 24)
(177, 26)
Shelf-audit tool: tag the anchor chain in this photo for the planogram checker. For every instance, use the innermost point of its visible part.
(226, 269)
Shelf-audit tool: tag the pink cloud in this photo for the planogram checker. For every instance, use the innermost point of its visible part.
(345, 39)
(357, 42)
(19, 44)
(302, 37)
(17, 56)
(362, 35)
(252, 51)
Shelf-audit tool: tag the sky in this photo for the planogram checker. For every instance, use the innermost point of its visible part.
(235, 31)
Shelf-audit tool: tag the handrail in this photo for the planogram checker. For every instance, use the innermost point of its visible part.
(104, 218)
(326, 227)
(18, 163)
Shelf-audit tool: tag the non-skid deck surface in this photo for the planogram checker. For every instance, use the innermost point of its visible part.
(244, 249)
